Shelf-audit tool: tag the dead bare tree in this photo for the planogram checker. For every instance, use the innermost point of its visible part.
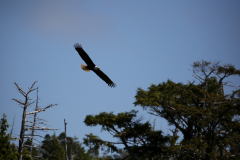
(32, 127)
(34, 122)
(25, 105)
(65, 124)
(11, 131)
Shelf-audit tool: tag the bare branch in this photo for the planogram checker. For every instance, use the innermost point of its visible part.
(30, 135)
(42, 119)
(39, 128)
(230, 85)
(31, 89)
(20, 102)
(35, 126)
(37, 119)
(198, 78)
(20, 90)
(28, 104)
(38, 123)
(15, 139)
(43, 109)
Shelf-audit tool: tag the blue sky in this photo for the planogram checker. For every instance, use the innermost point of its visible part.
(136, 43)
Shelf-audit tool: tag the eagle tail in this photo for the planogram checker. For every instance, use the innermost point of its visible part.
(84, 67)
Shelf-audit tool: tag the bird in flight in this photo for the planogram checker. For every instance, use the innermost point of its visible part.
(91, 66)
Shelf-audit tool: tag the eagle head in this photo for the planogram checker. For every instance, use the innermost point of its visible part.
(96, 68)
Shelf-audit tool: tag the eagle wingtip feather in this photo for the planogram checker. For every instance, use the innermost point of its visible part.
(77, 45)
(112, 85)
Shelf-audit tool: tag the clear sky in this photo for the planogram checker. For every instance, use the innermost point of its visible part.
(136, 43)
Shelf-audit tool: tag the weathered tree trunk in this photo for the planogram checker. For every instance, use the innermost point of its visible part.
(66, 157)
(34, 123)
(71, 154)
(176, 129)
(21, 141)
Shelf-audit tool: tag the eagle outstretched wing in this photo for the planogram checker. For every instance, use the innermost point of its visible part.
(84, 55)
(105, 78)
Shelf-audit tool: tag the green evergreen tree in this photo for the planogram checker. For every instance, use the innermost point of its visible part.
(78, 151)
(52, 145)
(75, 150)
(26, 155)
(138, 138)
(27, 145)
(6, 151)
(91, 141)
(202, 112)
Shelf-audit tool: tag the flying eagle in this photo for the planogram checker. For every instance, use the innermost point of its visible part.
(92, 66)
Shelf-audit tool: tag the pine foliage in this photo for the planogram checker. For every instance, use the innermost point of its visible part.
(209, 118)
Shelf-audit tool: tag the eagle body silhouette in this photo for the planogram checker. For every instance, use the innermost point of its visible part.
(91, 66)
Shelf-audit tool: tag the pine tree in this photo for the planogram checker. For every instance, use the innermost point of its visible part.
(52, 145)
(202, 112)
(6, 151)
(139, 139)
